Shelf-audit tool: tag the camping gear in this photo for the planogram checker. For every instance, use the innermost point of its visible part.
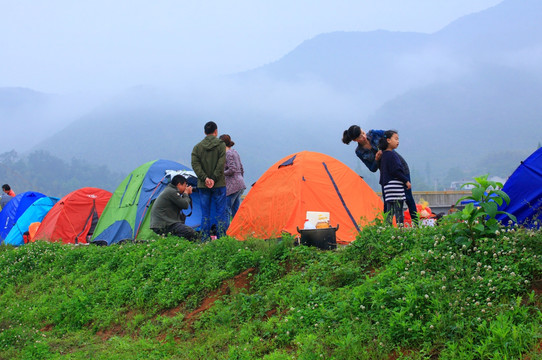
(35, 212)
(73, 217)
(32, 228)
(127, 214)
(324, 239)
(308, 225)
(524, 187)
(425, 214)
(14, 209)
(320, 219)
(305, 181)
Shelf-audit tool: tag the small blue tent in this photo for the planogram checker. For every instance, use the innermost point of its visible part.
(127, 214)
(35, 213)
(14, 209)
(524, 187)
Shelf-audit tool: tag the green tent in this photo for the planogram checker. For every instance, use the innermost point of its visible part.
(127, 214)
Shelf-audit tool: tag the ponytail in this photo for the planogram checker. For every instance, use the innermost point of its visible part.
(346, 138)
(352, 133)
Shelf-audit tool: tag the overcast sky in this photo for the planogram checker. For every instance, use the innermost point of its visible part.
(69, 45)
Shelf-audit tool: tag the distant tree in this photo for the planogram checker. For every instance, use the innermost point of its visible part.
(427, 171)
(455, 174)
(40, 171)
(9, 157)
(419, 181)
(500, 164)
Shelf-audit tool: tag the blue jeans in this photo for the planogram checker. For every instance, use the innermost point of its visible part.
(234, 200)
(213, 211)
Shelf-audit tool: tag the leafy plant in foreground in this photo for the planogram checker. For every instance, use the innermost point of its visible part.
(475, 222)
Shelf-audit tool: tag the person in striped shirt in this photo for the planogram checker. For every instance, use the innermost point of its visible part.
(368, 152)
(393, 177)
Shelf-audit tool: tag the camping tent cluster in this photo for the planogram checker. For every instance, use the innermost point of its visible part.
(92, 215)
(277, 203)
(33, 216)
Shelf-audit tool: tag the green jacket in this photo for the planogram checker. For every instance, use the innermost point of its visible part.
(208, 159)
(167, 207)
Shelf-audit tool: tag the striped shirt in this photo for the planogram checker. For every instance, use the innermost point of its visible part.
(394, 190)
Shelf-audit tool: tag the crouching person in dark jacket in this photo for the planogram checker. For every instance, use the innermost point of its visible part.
(166, 213)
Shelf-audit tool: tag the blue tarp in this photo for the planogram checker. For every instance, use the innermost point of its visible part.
(524, 187)
(14, 209)
(35, 213)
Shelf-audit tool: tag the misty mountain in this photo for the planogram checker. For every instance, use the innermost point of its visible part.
(379, 65)
(19, 100)
(451, 124)
(22, 110)
(508, 28)
(148, 123)
(455, 96)
(352, 62)
(28, 116)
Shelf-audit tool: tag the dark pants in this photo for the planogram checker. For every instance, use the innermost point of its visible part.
(411, 204)
(395, 208)
(213, 211)
(179, 229)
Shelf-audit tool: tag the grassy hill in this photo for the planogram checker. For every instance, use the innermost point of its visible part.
(393, 293)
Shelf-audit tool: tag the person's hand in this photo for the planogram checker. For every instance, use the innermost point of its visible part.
(188, 190)
(408, 185)
(209, 183)
(378, 155)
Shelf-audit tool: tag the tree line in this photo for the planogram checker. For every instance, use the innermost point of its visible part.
(42, 172)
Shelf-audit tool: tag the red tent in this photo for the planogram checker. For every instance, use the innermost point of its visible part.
(72, 219)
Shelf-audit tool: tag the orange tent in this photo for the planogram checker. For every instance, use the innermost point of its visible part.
(306, 181)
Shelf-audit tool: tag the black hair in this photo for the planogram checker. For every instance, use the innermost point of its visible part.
(352, 133)
(210, 127)
(178, 179)
(6, 187)
(383, 142)
(227, 140)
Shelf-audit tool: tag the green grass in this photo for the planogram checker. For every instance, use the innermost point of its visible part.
(393, 293)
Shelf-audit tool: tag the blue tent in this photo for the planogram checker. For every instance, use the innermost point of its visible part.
(35, 213)
(14, 209)
(127, 214)
(524, 187)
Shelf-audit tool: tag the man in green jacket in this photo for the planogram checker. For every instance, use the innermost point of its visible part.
(208, 159)
(166, 213)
